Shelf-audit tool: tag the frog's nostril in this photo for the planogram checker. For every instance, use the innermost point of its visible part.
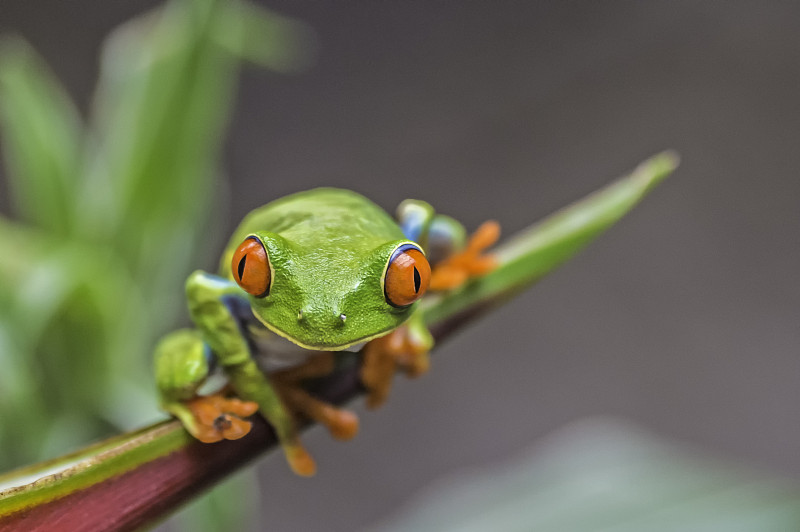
(300, 315)
(342, 318)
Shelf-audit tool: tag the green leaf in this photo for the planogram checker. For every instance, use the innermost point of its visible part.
(163, 99)
(42, 138)
(70, 348)
(163, 93)
(264, 37)
(603, 475)
(536, 251)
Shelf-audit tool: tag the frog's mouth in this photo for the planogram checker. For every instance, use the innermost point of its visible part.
(354, 345)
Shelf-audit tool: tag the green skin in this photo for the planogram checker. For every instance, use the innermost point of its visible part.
(328, 251)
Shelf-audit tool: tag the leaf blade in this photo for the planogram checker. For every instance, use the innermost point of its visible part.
(42, 134)
(536, 251)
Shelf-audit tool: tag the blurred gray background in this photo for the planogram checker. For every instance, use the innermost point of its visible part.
(683, 318)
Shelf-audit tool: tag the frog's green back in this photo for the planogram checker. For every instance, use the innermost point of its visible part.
(331, 218)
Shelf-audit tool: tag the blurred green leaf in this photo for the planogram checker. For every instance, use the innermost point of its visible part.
(162, 102)
(605, 476)
(264, 37)
(42, 138)
(67, 312)
(162, 97)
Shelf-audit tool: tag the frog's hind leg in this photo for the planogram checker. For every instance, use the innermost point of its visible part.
(250, 383)
(342, 424)
(183, 362)
(406, 348)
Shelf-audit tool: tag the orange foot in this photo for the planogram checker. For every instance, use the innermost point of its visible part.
(384, 356)
(471, 262)
(219, 418)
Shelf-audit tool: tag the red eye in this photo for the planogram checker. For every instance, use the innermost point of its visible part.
(250, 267)
(407, 276)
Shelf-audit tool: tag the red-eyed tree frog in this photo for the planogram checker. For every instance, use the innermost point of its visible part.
(305, 277)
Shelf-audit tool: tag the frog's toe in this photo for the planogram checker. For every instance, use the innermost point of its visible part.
(205, 433)
(234, 428)
(471, 262)
(447, 277)
(343, 424)
(239, 408)
(416, 364)
(216, 418)
(377, 396)
(300, 461)
(484, 236)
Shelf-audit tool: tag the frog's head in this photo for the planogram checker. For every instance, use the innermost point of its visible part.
(333, 296)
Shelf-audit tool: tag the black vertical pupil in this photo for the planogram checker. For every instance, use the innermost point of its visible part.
(417, 280)
(241, 266)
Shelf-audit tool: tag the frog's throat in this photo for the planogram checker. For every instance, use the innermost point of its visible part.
(319, 347)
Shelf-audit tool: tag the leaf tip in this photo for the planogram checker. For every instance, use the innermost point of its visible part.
(654, 170)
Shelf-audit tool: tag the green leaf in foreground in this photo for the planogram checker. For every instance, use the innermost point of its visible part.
(605, 475)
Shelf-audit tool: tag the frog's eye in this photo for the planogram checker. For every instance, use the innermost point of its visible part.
(407, 276)
(250, 267)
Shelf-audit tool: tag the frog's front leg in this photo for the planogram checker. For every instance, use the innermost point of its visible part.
(210, 305)
(182, 363)
(406, 348)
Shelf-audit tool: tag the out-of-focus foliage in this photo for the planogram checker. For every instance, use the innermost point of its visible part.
(603, 475)
(111, 212)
